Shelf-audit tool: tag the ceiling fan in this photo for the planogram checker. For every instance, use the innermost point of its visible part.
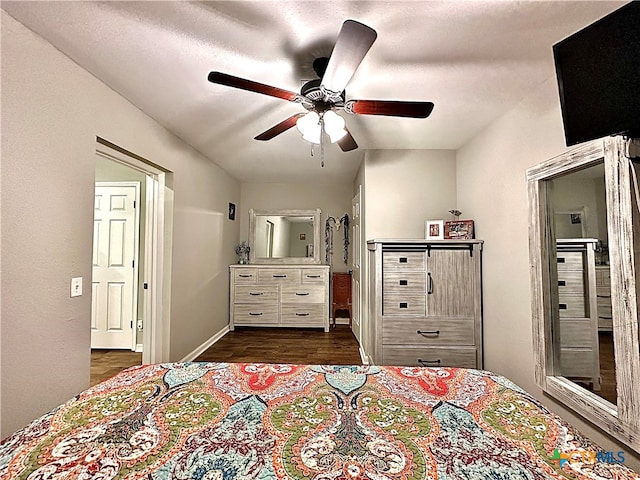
(323, 96)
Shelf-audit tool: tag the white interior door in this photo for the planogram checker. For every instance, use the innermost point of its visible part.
(356, 298)
(115, 247)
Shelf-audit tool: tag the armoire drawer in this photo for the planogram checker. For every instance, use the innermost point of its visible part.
(303, 293)
(399, 304)
(464, 357)
(571, 306)
(571, 281)
(576, 362)
(314, 275)
(392, 260)
(570, 261)
(255, 293)
(576, 333)
(426, 332)
(404, 282)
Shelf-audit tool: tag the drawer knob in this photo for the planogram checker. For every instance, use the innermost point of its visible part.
(245, 275)
(256, 294)
(255, 314)
(563, 306)
(403, 259)
(404, 282)
(562, 283)
(313, 276)
(428, 333)
(306, 314)
(404, 305)
(302, 294)
(279, 276)
(428, 363)
(561, 260)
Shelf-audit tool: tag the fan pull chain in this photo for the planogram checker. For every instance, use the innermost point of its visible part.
(321, 121)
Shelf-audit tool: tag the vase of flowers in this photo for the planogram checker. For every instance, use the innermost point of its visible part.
(242, 250)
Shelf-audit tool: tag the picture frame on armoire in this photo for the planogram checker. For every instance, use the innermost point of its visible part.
(458, 230)
(434, 230)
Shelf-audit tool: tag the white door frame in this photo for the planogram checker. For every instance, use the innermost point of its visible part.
(136, 250)
(157, 261)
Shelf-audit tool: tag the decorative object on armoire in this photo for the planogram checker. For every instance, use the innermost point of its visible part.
(242, 250)
(456, 214)
(340, 295)
(427, 302)
(434, 229)
(323, 96)
(232, 211)
(330, 223)
(458, 230)
(279, 296)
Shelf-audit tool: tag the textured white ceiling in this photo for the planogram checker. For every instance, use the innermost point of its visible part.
(474, 59)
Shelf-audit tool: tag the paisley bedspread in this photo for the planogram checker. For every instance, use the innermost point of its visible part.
(265, 421)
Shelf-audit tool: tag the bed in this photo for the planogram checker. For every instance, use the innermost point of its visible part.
(266, 421)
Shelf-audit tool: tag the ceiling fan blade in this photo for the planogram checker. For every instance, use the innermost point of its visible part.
(354, 41)
(251, 86)
(347, 143)
(280, 127)
(391, 108)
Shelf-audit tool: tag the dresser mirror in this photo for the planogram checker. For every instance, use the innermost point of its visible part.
(583, 257)
(284, 236)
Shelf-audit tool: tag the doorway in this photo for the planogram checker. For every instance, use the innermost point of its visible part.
(139, 322)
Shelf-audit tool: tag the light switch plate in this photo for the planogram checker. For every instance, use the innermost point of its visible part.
(76, 286)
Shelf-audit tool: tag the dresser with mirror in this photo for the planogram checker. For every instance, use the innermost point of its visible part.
(284, 284)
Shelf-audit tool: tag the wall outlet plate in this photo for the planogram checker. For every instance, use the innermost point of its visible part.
(76, 286)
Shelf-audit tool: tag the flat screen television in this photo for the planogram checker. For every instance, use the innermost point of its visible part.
(598, 72)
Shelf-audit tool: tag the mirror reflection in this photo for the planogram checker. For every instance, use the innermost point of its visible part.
(582, 322)
(279, 236)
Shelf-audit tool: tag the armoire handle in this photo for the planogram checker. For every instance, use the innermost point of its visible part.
(430, 288)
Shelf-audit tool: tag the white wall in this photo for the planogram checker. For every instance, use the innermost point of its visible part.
(52, 112)
(492, 190)
(331, 199)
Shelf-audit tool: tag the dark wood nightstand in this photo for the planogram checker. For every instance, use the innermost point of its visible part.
(340, 295)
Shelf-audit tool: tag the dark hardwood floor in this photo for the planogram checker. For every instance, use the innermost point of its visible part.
(260, 345)
(106, 363)
(286, 345)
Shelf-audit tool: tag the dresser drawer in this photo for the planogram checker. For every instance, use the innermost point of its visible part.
(430, 357)
(303, 293)
(570, 281)
(403, 261)
(245, 275)
(301, 315)
(259, 314)
(315, 275)
(419, 332)
(569, 261)
(255, 294)
(571, 306)
(603, 277)
(279, 275)
(404, 282)
(399, 304)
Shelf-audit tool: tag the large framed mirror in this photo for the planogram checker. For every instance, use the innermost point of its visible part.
(584, 259)
(284, 236)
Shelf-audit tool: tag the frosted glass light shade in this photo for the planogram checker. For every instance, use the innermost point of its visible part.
(310, 126)
(334, 126)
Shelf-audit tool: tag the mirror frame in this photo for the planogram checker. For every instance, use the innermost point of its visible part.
(622, 420)
(315, 214)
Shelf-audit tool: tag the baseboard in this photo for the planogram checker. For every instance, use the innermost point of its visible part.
(363, 356)
(139, 348)
(340, 321)
(193, 355)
